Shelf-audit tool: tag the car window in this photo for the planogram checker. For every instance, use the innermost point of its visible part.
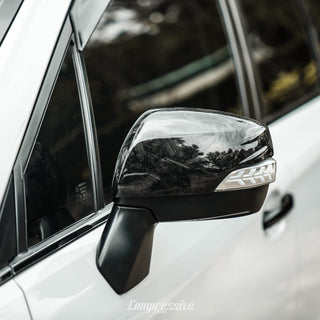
(314, 9)
(57, 178)
(155, 54)
(282, 54)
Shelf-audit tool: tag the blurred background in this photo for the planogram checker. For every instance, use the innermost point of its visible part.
(162, 54)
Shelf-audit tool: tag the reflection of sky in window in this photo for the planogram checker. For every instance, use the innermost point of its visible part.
(118, 22)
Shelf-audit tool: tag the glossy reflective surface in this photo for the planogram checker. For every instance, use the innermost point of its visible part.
(85, 14)
(173, 152)
(57, 179)
(8, 9)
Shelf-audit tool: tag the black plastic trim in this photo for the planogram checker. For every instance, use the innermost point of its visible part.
(197, 207)
(124, 251)
(8, 239)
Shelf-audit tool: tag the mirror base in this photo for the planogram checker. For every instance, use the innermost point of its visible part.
(124, 251)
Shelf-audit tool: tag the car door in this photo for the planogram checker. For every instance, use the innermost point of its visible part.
(198, 269)
(304, 164)
(13, 304)
(289, 87)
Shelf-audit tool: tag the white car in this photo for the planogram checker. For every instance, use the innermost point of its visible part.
(75, 76)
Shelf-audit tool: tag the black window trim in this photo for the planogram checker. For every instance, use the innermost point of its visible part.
(6, 272)
(28, 256)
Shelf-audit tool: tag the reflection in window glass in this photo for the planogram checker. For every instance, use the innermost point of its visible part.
(281, 51)
(8, 247)
(155, 54)
(58, 187)
(314, 9)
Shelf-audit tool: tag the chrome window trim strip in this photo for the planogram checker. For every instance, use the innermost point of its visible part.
(6, 274)
(90, 130)
(247, 58)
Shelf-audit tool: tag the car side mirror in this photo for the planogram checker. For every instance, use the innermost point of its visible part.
(180, 164)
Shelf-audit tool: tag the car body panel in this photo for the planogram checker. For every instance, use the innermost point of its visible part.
(24, 56)
(299, 133)
(8, 9)
(191, 262)
(12, 303)
(68, 290)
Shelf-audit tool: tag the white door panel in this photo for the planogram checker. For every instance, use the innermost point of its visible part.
(235, 271)
(300, 137)
(67, 284)
(12, 303)
(307, 199)
(211, 264)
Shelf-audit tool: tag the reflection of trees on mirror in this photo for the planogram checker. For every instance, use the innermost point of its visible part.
(168, 165)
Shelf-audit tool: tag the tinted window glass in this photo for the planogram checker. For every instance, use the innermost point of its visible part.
(154, 54)
(58, 188)
(282, 54)
(314, 9)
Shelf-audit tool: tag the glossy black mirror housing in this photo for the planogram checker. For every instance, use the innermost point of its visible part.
(173, 162)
